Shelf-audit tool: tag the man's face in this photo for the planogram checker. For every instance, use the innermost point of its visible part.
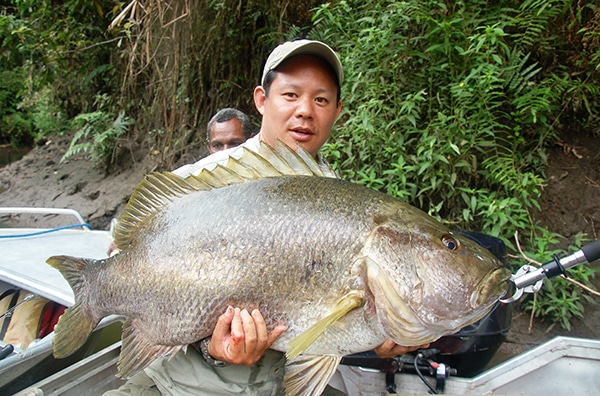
(302, 104)
(224, 135)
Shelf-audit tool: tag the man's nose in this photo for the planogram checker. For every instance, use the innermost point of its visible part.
(304, 108)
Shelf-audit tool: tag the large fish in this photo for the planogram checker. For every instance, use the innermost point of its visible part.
(342, 266)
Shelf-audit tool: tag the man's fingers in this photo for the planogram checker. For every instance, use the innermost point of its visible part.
(241, 337)
(390, 349)
(237, 330)
(275, 333)
(249, 329)
(262, 336)
(387, 346)
(223, 324)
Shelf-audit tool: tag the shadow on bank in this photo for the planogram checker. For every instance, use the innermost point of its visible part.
(10, 154)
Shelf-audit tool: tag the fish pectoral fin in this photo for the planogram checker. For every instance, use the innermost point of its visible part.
(137, 352)
(350, 301)
(308, 375)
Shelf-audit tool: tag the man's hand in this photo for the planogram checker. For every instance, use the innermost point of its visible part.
(390, 349)
(112, 249)
(241, 338)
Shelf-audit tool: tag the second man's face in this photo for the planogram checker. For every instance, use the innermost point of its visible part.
(224, 135)
(302, 104)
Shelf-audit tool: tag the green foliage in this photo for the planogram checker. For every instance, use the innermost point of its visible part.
(52, 64)
(439, 103)
(26, 117)
(15, 126)
(48, 117)
(450, 105)
(97, 135)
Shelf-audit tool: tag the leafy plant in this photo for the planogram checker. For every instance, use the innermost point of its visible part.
(47, 116)
(15, 126)
(54, 61)
(97, 135)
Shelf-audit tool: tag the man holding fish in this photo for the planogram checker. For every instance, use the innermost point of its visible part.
(299, 100)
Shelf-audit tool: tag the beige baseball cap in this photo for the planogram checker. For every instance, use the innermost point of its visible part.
(306, 47)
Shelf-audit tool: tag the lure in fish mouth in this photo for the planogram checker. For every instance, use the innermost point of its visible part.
(491, 288)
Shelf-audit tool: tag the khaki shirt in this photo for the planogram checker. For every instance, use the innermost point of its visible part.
(189, 374)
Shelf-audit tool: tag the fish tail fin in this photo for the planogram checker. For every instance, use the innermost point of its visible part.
(76, 324)
(71, 269)
(72, 331)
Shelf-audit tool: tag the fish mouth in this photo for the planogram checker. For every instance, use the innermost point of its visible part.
(492, 287)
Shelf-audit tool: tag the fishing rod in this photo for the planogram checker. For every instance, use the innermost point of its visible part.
(530, 279)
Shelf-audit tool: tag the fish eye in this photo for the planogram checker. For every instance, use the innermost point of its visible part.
(450, 242)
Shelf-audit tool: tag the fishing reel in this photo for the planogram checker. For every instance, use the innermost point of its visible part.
(530, 279)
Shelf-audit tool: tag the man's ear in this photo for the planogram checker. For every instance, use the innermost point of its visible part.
(259, 99)
(339, 109)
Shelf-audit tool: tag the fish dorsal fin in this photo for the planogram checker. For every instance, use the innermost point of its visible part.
(350, 301)
(245, 170)
(158, 189)
(220, 177)
(308, 375)
(262, 166)
(293, 162)
(319, 170)
(155, 191)
(268, 161)
(284, 159)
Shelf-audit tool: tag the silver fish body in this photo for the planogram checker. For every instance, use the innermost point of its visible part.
(342, 266)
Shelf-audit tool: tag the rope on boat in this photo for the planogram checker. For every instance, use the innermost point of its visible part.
(46, 231)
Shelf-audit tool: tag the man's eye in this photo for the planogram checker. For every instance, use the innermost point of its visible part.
(216, 145)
